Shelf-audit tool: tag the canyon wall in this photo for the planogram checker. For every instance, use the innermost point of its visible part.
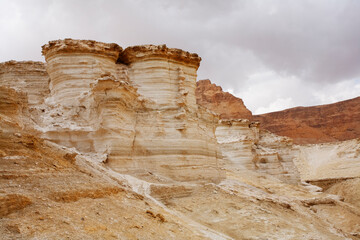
(134, 109)
(330, 161)
(246, 147)
(27, 76)
(129, 159)
(318, 124)
(172, 135)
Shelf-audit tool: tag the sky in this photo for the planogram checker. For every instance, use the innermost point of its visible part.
(273, 54)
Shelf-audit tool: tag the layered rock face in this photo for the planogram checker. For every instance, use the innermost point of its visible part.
(13, 108)
(172, 135)
(91, 106)
(57, 159)
(225, 104)
(136, 108)
(247, 147)
(166, 76)
(74, 65)
(27, 76)
(330, 161)
(326, 123)
(237, 139)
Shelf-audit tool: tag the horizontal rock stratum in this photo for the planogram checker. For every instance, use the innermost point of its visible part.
(325, 123)
(102, 142)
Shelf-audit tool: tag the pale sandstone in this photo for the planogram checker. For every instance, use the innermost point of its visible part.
(69, 189)
(246, 146)
(27, 76)
(328, 161)
(142, 115)
(174, 137)
(165, 75)
(73, 65)
(237, 140)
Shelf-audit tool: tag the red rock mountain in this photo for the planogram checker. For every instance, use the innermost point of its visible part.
(325, 123)
(212, 97)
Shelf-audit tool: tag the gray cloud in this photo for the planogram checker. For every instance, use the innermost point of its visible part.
(273, 53)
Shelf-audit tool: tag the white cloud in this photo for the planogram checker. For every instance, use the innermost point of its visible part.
(338, 92)
(278, 104)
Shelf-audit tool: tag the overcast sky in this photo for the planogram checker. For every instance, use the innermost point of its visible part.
(272, 54)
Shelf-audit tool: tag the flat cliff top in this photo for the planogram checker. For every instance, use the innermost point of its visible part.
(69, 45)
(22, 66)
(114, 51)
(135, 53)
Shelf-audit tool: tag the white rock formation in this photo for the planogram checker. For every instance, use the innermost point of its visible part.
(139, 108)
(245, 146)
(339, 160)
(74, 65)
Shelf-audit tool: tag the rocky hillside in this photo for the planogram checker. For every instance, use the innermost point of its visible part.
(106, 143)
(325, 123)
(212, 97)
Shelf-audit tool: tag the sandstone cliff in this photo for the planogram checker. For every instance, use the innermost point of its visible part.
(246, 147)
(110, 144)
(135, 107)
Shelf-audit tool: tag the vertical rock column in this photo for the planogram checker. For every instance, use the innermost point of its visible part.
(173, 137)
(90, 104)
(167, 76)
(73, 65)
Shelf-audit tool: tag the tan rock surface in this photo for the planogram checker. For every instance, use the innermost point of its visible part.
(138, 111)
(27, 76)
(73, 65)
(328, 161)
(46, 194)
(246, 147)
(117, 162)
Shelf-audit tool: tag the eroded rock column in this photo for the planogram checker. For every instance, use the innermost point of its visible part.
(167, 76)
(91, 105)
(73, 65)
(174, 137)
